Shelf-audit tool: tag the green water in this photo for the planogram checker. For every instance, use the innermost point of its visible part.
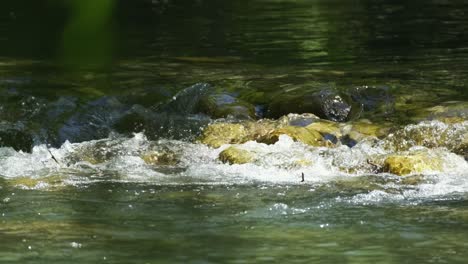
(78, 71)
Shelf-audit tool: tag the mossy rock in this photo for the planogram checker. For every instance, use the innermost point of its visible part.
(325, 127)
(160, 158)
(301, 134)
(404, 164)
(234, 155)
(216, 135)
(370, 129)
(54, 181)
(431, 134)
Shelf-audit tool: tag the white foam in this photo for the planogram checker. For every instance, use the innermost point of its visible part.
(119, 159)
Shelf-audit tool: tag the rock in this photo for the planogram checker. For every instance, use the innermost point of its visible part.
(462, 148)
(325, 128)
(403, 164)
(361, 130)
(48, 182)
(300, 120)
(327, 104)
(374, 99)
(218, 134)
(430, 134)
(15, 136)
(301, 134)
(221, 105)
(186, 101)
(160, 158)
(234, 155)
(449, 112)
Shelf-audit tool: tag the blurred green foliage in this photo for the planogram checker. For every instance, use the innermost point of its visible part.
(89, 33)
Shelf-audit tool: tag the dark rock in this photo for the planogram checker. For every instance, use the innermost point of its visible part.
(327, 103)
(93, 120)
(186, 101)
(375, 99)
(15, 136)
(221, 105)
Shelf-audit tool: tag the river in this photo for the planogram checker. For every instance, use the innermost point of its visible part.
(88, 88)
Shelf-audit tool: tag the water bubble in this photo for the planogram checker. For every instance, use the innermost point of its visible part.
(75, 245)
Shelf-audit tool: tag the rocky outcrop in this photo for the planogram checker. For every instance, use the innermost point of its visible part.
(305, 128)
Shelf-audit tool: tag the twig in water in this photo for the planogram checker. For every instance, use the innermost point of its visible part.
(53, 157)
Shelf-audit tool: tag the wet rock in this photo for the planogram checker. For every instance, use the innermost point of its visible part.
(404, 164)
(361, 130)
(448, 112)
(15, 136)
(431, 134)
(374, 99)
(49, 182)
(216, 135)
(220, 105)
(93, 120)
(301, 134)
(160, 158)
(186, 101)
(300, 120)
(234, 155)
(329, 130)
(327, 104)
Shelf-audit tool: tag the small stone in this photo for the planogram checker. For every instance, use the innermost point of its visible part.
(234, 155)
(160, 158)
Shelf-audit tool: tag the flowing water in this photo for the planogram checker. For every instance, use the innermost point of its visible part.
(88, 88)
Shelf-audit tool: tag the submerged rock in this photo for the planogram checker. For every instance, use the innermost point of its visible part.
(234, 155)
(158, 158)
(49, 182)
(404, 164)
(375, 100)
(15, 136)
(220, 105)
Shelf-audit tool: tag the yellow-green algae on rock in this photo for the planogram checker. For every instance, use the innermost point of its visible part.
(234, 155)
(326, 127)
(404, 164)
(216, 135)
(160, 158)
(302, 134)
(49, 182)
